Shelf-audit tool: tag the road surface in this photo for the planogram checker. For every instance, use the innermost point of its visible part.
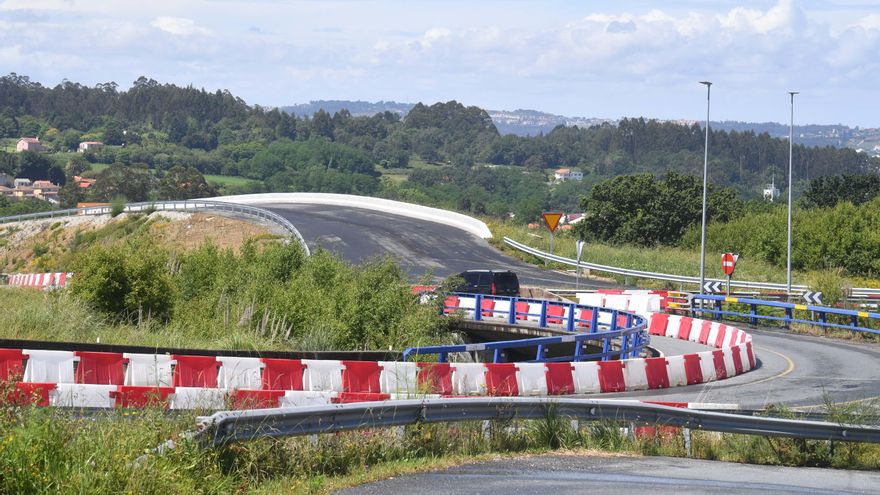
(623, 475)
(419, 247)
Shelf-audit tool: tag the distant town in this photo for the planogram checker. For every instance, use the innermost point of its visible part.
(23, 188)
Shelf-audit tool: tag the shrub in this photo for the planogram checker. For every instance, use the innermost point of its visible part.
(40, 249)
(117, 206)
(125, 280)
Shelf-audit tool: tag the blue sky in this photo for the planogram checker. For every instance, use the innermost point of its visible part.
(592, 59)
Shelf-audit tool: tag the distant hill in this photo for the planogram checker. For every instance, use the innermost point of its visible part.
(532, 122)
(523, 122)
(518, 122)
(356, 108)
(837, 135)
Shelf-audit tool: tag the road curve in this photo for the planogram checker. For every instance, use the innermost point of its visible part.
(420, 247)
(795, 370)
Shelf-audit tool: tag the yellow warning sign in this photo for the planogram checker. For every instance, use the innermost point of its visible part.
(552, 220)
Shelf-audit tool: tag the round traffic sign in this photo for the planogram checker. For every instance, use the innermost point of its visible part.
(728, 263)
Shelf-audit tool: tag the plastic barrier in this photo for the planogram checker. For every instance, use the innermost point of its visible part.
(282, 374)
(100, 368)
(104, 380)
(39, 280)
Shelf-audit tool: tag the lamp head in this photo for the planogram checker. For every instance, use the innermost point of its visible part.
(707, 83)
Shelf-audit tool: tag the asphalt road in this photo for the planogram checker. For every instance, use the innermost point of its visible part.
(419, 247)
(795, 370)
(613, 475)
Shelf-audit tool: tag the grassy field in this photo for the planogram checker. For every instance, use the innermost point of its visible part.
(657, 259)
(229, 180)
(99, 167)
(8, 145)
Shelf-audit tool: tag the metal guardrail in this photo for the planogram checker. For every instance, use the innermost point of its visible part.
(632, 336)
(818, 315)
(859, 292)
(237, 426)
(188, 205)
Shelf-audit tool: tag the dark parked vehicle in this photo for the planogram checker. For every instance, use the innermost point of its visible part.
(489, 282)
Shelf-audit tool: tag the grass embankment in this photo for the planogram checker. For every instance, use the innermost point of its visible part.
(134, 285)
(48, 451)
(52, 244)
(660, 259)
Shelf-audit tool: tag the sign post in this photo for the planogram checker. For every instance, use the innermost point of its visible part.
(728, 264)
(552, 221)
(579, 245)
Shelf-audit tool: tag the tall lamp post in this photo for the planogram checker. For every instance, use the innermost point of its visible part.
(790, 149)
(705, 185)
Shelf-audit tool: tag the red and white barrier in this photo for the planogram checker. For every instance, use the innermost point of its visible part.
(39, 280)
(96, 379)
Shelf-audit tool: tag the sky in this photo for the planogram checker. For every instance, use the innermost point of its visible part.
(575, 58)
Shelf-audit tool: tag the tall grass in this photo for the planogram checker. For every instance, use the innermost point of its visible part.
(52, 451)
(663, 259)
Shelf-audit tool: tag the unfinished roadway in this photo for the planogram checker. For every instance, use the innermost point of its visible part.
(793, 369)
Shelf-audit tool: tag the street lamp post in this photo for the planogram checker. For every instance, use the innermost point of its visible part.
(705, 186)
(790, 149)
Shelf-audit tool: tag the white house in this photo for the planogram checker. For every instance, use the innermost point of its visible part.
(29, 144)
(90, 146)
(564, 174)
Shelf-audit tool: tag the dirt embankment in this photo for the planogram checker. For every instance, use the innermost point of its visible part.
(38, 245)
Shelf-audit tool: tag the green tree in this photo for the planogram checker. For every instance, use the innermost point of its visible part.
(184, 183)
(639, 209)
(76, 165)
(824, 192)
(70, 194)
(34, 166)
(133, 182)
(113, 133)
(71, 138)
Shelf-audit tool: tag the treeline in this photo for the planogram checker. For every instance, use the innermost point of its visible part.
(836, 223)
(445, 154)
(843, 236)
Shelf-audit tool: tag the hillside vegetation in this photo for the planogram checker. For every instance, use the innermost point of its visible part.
(149, 281)
(641, 184)
(186, 132)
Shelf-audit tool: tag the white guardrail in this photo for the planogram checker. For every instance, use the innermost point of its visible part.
(188, 205)
(861, 291)
(445, 217)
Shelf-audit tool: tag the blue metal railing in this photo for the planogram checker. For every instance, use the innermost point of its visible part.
(626, 327)
(785, 313)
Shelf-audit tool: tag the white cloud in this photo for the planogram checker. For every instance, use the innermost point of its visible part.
(38, 5)
(178, 26)
(496, 53)
(783, 16)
